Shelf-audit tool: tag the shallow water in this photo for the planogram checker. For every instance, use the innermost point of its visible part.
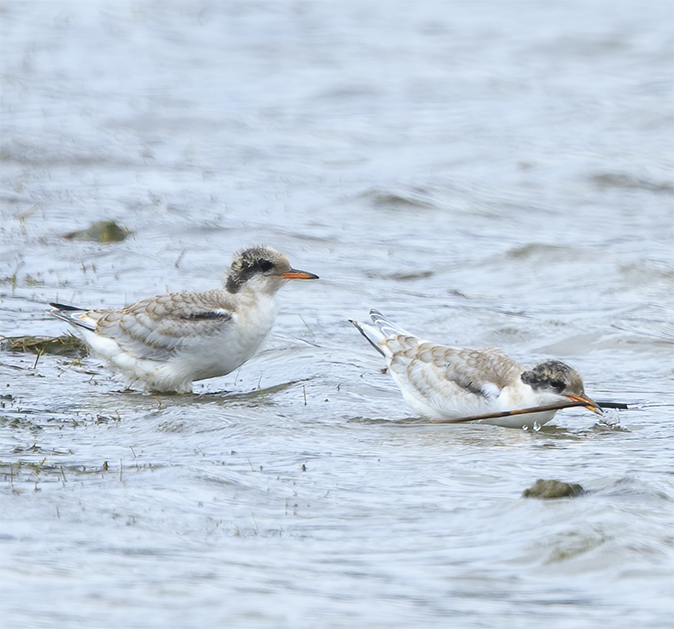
(485, 174)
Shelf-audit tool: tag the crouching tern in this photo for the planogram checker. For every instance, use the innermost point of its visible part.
(442, 382)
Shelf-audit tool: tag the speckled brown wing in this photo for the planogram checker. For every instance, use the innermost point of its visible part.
(443, 372)
(155, 328)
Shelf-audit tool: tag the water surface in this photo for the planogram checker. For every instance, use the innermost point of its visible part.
(495, 173)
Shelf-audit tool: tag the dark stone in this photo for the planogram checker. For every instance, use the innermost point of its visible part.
(547, 489)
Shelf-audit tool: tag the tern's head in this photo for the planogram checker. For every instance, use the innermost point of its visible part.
(559, 380)
(263, 269)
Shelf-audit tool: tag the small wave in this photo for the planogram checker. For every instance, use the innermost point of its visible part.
(630, 182)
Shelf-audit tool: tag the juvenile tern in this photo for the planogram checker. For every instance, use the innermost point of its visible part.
(442, 382)
(169, 341)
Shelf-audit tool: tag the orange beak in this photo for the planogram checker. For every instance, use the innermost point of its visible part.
(294, 274)
(591, 405)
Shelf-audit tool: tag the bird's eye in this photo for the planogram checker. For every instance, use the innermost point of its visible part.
(557, 385)
(266, 265)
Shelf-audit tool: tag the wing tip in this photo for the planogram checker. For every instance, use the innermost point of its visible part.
(67, 313)
(64, 307)
(361, 328)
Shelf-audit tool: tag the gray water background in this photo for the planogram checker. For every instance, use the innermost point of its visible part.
(486, 173)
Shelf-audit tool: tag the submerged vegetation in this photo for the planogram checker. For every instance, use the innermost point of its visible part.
(64, 345)
(100, 231)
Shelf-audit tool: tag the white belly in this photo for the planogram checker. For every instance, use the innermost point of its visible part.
(195, 358)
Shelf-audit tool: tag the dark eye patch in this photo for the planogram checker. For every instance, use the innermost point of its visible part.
(245, 267)
(557, 385)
